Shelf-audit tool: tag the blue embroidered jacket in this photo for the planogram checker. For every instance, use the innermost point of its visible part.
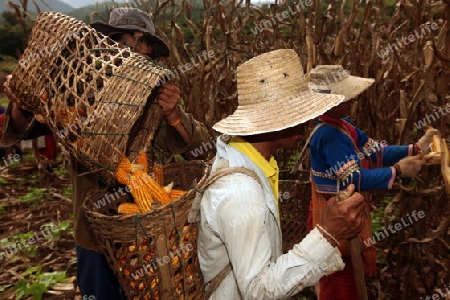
(334, 159)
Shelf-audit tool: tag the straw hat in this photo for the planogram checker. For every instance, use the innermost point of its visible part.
(334, 79)
(273, 95)
(126, 19)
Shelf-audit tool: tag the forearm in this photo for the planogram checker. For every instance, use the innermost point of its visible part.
(292, 272)
(365, 179)
(259, 269)
(19, 119)
(393, 154)
(189, 138)
(20, 125)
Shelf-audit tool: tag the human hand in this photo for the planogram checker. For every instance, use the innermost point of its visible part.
(168, 98)
(11, 96)
(410, 166)
(425, 141)
(343, 219)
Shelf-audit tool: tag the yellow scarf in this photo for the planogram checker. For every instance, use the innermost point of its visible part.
(270, 168)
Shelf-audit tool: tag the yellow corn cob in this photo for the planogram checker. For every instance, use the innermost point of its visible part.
(435, 143)
(175, 194)
(142, 197)
(128, 208)
(158, 171)
(123, 170)
(142, 160)
(156, 191)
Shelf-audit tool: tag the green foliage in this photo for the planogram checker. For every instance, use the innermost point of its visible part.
(60, 171)
(34, 196)
(4, 101)
(36, 283)
(4, 287)
(57, 231)
(378, 215)
(12, 40)
(68, 191)
(25, 240)
(8, 18)
(2, 207)
(7, 69)
(28, 158)
(32, 179)
(3, 181)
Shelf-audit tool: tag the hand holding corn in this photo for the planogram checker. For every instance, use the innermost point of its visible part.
(410, 166)
(425, 142)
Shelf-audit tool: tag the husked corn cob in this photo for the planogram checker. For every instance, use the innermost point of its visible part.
(435, 144)
(127, 208)
(123, 170)
(158, 171)
(143, 188)
(142, 160)
(175, 194)
(142, 197)
(156, 191)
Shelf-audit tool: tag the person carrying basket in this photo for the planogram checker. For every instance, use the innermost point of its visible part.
(239, 243)
(179, 133)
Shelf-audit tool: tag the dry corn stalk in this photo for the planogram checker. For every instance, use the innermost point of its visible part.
(434, 157)
(445, 165)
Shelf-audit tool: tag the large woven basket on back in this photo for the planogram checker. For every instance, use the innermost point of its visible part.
(95, 95)
(153, 254)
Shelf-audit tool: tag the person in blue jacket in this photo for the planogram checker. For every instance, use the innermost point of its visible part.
(342, 154)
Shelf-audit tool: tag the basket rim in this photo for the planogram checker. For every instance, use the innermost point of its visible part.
(98, 215)
(190, 194)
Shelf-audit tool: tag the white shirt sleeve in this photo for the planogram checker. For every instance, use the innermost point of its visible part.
(239, 219)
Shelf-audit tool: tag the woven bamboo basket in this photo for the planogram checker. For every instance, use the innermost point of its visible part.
(294, 198)
(95, 95)
(154, 254)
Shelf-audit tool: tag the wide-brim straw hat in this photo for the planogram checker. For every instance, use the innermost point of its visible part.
(126, 19)
(335, 80)
(273, 95)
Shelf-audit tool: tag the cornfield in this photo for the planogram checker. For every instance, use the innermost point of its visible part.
(405, 46)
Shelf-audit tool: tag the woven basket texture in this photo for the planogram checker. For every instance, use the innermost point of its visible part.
(95, 95)
(154, 254)
(294, 199)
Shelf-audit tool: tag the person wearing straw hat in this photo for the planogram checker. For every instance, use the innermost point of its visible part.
(179, 133)
(239, 243)
(341, 154)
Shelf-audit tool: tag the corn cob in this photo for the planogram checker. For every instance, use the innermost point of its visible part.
(128, 208)
(158, 171)
(156, 191)
(435, 144)
(142, 160)
(142, 187)
(175, 194)
(142, 198)
(168, 188)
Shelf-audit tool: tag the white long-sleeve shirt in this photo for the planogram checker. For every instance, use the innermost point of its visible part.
(240, 225)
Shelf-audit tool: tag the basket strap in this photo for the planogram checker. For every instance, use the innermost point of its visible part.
(194, 213)
(216, 281)
(296, 167)
(227, 171)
